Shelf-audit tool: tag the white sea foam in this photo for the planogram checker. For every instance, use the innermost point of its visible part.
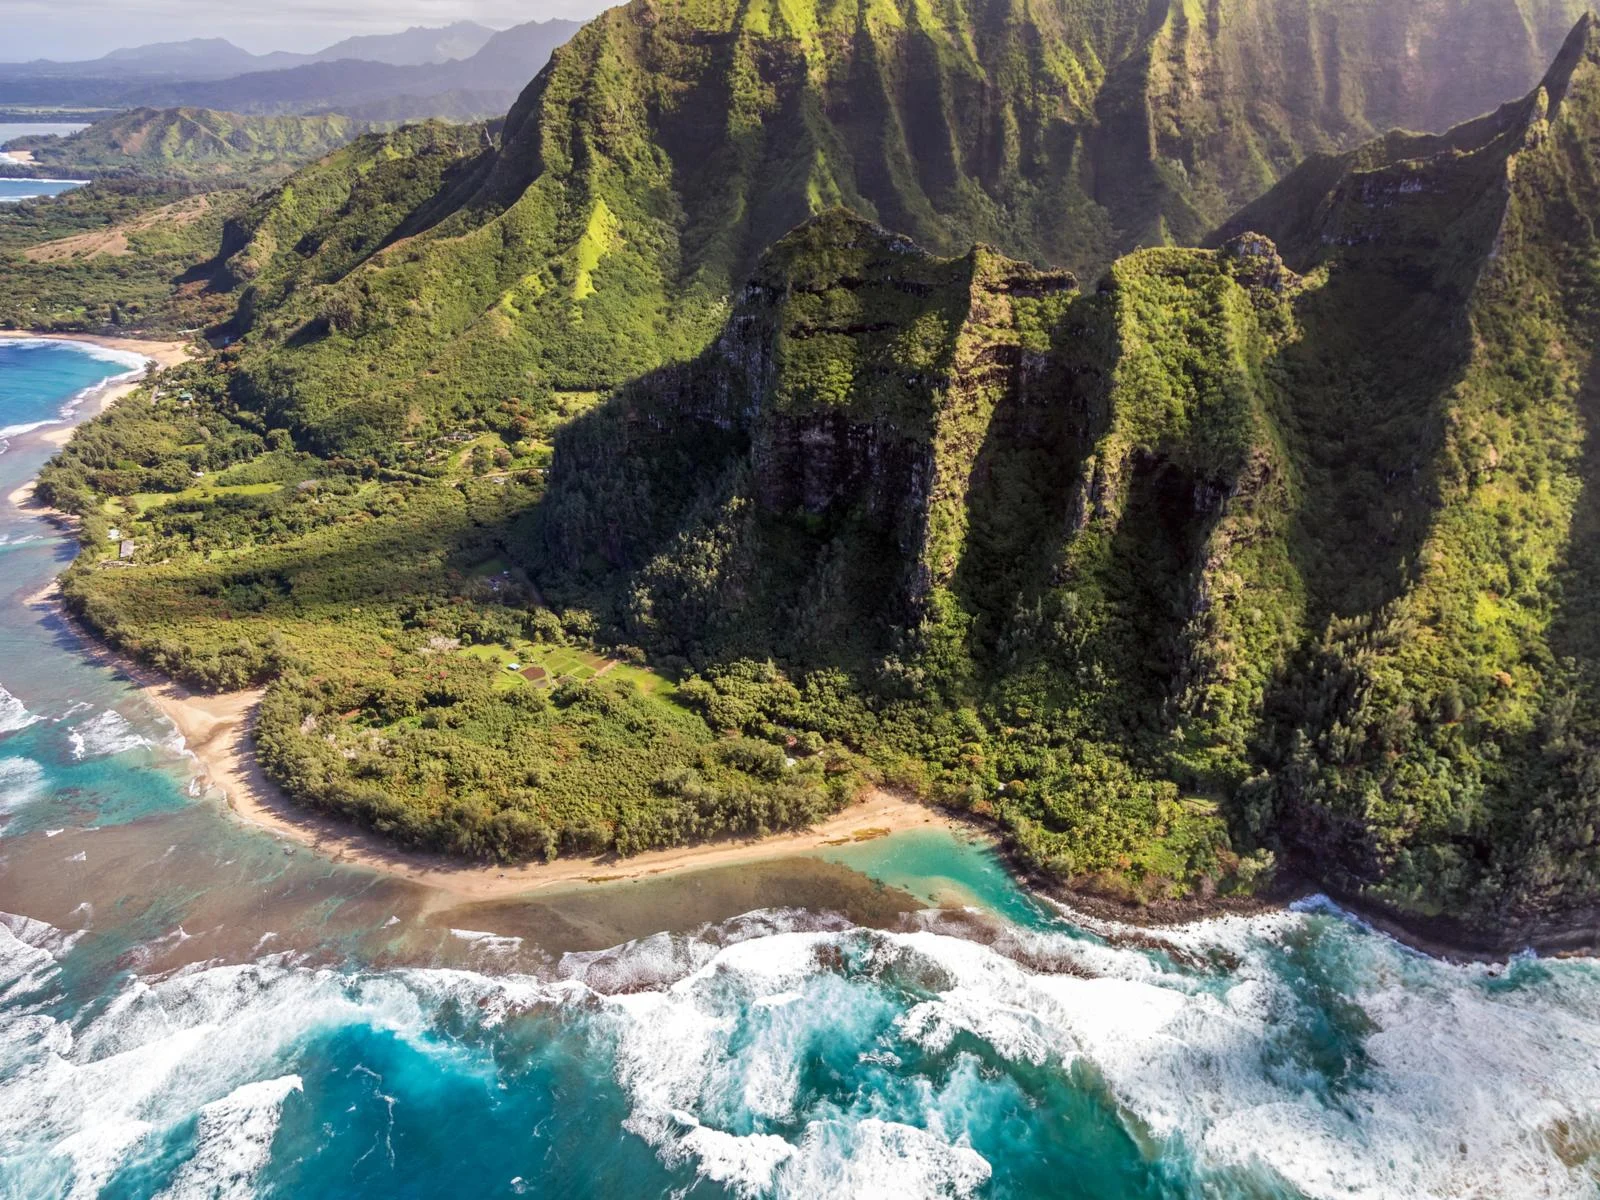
(882, 1160)
(1459, 1084)
(21, 781)
(13, 715)
(1463, 1088)
(494, 943)
(28, 953)
(745, 1165)
(103, 734)
(134, 366)
(96, 1153)
(234, 1142)
(205, 1042)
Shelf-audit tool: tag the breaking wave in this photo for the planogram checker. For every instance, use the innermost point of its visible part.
(13, 715)
(104, 734)
(21, 781)
(776, 1056)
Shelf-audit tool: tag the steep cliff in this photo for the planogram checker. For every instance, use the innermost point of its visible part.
(1240, 554)
(977, 511)
(641, 175)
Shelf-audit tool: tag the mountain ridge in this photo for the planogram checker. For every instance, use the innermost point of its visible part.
(1266, 555)
(217, 56)
(705, 130)
(467, 88)
(1228, 629)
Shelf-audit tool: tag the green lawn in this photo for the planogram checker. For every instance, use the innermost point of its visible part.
(142, 502)
(563, 663)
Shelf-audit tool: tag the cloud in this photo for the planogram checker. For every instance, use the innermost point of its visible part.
(79, 29)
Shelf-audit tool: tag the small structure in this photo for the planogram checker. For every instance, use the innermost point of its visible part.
(125, 550)
(513, 666)
(114, 535)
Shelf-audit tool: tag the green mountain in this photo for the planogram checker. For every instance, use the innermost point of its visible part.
(1230, 555)
(640, 176)
(1275, 552)
(192, 143)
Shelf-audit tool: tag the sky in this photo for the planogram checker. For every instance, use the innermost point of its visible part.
(78, 29)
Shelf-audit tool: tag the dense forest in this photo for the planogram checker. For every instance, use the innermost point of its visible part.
(667, 462)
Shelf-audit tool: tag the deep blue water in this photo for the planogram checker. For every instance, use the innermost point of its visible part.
(189, 1007)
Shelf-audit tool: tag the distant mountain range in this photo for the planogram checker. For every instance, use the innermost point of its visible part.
(218, 58)
(191, 143)
(457, 71)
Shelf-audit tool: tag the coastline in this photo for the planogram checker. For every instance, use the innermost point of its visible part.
(217, 732)
(157, 355)
(164, 352)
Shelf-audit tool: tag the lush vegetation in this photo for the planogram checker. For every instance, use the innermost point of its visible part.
(124, 255)
(1231, 561)
(1221, 561)
(160, 254)
(641, 176)
(391, 699)
(190, 143)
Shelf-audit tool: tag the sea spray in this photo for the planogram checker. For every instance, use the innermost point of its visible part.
(868, 1062)
(13, 714)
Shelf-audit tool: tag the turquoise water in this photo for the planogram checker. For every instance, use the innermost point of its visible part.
(189, 1007)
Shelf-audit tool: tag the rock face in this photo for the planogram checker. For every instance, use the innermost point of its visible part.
(853, 389)
(880, 369)
(1284, 546)
(641, 176)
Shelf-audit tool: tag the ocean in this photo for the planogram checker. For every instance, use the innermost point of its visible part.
(17, 189)
(12, 190)
(190, 1006)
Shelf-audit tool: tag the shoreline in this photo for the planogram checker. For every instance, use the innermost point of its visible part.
(217, 732)
(164, 352)
(101, 397)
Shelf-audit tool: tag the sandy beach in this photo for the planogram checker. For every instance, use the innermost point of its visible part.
(216, 730)
(161, 354)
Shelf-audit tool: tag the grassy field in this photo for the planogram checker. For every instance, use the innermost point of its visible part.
(138, 504)
(523, 663)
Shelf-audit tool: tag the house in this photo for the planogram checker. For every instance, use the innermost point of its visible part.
(125, 550)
